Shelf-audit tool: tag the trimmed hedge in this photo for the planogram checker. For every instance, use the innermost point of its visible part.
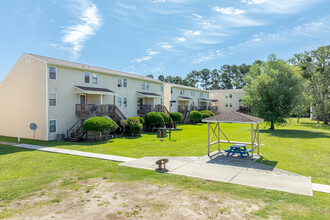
(154, 120)
(207, 114)
(195, 116)
(167, 119)
(132, 126)
(99, 125)
(176, 117)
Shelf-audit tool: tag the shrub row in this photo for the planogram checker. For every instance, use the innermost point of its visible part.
(132, 126)
(196, 116)
(161, 119)
(99, 126)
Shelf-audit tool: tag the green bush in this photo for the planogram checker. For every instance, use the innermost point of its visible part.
(176, 117)
(195, 116)
(132, 126)
(99, 126)
(207, 114)
(154, 120)
(166, 117)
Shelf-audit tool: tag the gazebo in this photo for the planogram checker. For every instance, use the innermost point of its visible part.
(232, 117)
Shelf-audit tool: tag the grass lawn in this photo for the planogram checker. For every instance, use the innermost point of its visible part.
(300, 148)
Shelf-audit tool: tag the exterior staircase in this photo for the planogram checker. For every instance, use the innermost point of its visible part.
(185, 119)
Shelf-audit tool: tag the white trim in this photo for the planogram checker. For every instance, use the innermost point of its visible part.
(55, 125)
(47, 107)
(97, 78)
(50, 93)
(55, 73)
(89, 77)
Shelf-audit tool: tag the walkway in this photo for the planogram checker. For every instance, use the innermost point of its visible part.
(72, 152)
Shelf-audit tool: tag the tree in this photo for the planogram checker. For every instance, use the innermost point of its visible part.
(150, 76)
(273, 94)
(168, 79)
(241, 71)
(215, 80)
(205, 76)
(315, 67)
(226, 77)
(161, 78)
(178, 80)
(192, 79)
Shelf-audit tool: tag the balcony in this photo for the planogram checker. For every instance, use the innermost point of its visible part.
(143, 109)
(82, 109)
(213, 108)
(182, 109)
(201, 108)
(193, 108)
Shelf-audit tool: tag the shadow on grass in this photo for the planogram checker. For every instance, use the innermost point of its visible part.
(316, 126)
(284, 133)
(7, 149)
(264, 161)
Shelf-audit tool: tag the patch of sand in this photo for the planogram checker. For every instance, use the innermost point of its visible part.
(103, 199)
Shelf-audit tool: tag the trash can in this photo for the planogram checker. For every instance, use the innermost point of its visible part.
(161, 132)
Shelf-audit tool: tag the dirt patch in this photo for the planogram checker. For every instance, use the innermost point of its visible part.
(102, 199)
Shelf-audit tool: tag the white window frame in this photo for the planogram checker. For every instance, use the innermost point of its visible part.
(143, 85)
(231, 105)
(97, 78)
(119, 84)
(55, 125)
(119, 102)
(50, 73)
(55, 99)
(125, 83)
(89, 77)
(125, 100)
(226, 96)
(147, 86)
(226, 105)
(192, 93)
(230, 96)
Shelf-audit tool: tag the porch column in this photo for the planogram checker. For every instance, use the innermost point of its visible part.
(101, 99)
(252, 145)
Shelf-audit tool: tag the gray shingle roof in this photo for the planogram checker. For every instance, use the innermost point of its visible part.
(90, 68)
(95, 89)
(234, 117)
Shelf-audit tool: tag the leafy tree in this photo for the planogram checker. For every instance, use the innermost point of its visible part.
(315, 67)
(192, 78)
(215, 80)
(241, 71)
(99, 125)
(205, 76)
(273, 94)
(168, 79)
(177, 80)
(226, 77)
(150, 76)
(161, 78)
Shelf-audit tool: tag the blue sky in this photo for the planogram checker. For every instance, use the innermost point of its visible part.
(169, 37)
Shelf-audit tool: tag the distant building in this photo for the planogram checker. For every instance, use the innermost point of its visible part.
(227, 100)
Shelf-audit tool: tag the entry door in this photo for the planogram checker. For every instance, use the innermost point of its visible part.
(83, 102)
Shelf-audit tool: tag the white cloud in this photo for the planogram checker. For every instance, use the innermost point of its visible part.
(180, 39)
(190, 33)
(166, 46)
(253, 1)
(229, 10)
(139, 60)
(151, 53)
(198, 16)
(211, 55)
(76, 35)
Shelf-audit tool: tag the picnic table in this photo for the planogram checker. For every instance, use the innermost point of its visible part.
(238, 149)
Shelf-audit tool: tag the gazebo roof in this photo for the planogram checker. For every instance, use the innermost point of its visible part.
(234, 117)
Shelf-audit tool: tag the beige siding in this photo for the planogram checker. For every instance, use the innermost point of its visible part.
(222, 100)
(68, 97)
(23, 99)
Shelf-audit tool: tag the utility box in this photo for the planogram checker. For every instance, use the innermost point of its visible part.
(60, 137)
(161, 132)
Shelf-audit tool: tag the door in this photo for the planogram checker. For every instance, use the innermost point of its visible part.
(83, 103)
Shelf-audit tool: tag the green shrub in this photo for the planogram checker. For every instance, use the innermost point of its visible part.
(195, 116)
(154, 120)
(207, 113)
(166, 118)
(132, 126)
(99, 125)
(176, 117)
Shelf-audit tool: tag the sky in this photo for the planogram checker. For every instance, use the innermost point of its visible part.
(168, 37)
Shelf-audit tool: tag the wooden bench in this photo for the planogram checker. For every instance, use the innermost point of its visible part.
(161, 165)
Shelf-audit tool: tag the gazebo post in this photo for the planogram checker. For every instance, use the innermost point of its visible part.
(208, 138)
(252, 144)
(258, 138)
(219, 137)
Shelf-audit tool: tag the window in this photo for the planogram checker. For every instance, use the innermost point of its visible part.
(207, 95)
(171, 90)
(52, 126)
(230, 95)
(147, 87)
(226, 96)
(231, 105)
(52, 99)
(227, 105)
(94, 78)
(181, 91)
(125, 82)
(162, 88)
(87, 77)
(125, 102)
(119, 82)
(143, 85)
(201, 94)
(192, 93)
(52, 72)
(119, 102)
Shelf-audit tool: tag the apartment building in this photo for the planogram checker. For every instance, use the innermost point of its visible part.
(59, 95)
(227, 100)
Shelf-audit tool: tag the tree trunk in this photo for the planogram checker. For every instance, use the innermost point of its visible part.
(272, 127)
(298, 119)
(325, 120)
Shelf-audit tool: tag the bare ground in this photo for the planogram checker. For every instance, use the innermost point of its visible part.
(103, 199)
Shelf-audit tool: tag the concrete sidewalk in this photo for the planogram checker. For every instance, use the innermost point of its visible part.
(71, 152)
(231, 170)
